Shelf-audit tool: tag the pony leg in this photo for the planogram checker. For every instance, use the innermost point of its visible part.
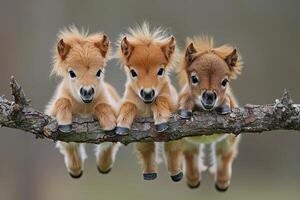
(146, 153)
(192, 164)
(63, 115)
(173, 155)
(225, 152)
(161, 113)
(74, 156)
(125, 118)
(106, 116)
(105, 156)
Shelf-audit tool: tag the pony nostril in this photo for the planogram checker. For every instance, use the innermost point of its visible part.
(152, 93)
(82, 92)
(91, 92)
(142, 93)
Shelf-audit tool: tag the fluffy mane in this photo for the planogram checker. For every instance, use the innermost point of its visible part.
(144, 34)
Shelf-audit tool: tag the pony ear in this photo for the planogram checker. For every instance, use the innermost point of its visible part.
(63, 49)
(232, 59)
(126, 47)
(103, 45)
(189, 54)
(169, 48)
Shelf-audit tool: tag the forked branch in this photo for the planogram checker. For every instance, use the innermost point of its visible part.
(281, 115)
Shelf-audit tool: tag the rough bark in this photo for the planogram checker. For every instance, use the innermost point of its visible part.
(281, 115)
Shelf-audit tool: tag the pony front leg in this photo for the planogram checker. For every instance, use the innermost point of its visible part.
(63, 114)
(127, 113)
(186, 105)
(106, 152)
(106, 116)
(161, 113)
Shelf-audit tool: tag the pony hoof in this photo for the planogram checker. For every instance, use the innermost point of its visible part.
(194, 186)
(65, 128)
(184, 114)
(103, 172)
(150, 176)
(177, 177)
(122, 130)
(221, 189)
(223, 110)
(161, 127)
(76, 176)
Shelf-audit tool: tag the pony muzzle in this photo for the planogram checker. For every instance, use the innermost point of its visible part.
(147, 96)
(208, 100)
(87, 94)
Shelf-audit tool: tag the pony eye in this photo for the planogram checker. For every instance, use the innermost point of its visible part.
(195, 80)
(133, 73)
(98, 74)
(161, 72)
(72, 74)
(224, 82)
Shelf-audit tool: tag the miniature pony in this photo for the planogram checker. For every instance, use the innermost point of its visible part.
(147, 56)
(204, 76)
(79, 60)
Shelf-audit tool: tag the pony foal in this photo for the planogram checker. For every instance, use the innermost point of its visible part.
(80, 59)
(147, 56)
(204, 76)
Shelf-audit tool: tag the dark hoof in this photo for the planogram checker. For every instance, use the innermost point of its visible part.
(76, 176)
(103, 172)
(223, 110)
(193, 186)
(221, 189)
(65, 128)
(150, 176)
(122, 130)
(184, 114)
(161, 127)
(177, 177)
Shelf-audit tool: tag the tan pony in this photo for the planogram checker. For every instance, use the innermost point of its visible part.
(205, 76)
(79, 60)
(147, 56)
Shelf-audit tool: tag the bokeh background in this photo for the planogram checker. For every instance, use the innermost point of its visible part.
(267, 35)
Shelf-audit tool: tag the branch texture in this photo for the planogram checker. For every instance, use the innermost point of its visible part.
(282, 115)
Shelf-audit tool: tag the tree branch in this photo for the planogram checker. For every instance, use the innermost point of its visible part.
(282, 115)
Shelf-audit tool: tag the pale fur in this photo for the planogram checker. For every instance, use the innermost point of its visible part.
(85, 56)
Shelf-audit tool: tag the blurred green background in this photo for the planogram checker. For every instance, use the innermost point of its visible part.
(267, 35)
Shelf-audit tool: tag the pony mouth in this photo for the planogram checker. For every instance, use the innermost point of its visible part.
(208, 107)
(87, 100)
(148, 101)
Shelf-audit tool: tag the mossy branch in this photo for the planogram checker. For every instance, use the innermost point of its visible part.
(281, 115)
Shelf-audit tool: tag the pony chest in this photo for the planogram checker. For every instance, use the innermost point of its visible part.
(83, 110)
(145, 111)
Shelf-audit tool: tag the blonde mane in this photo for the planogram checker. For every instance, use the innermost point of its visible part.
(144, 34)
